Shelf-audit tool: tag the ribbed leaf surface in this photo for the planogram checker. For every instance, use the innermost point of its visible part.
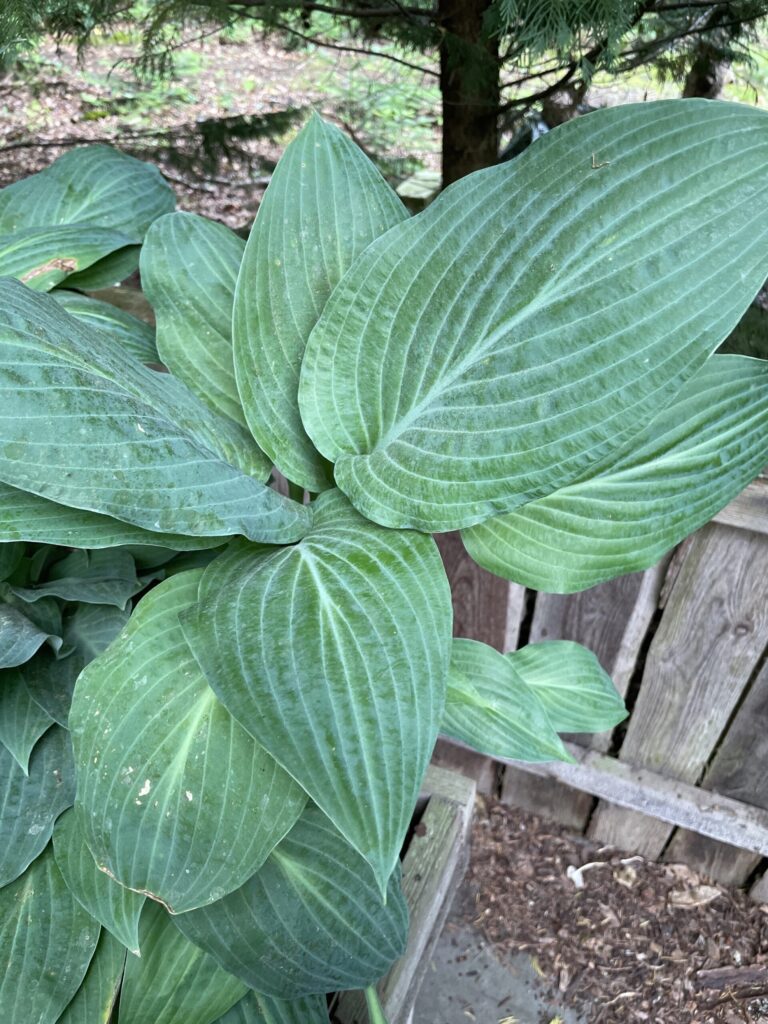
(495, 347)
(325, 203)
(20, 637)
(576, 692)
(490, 708)
(136, 337)
(46, 943)
(310, 921)
(189, 268)
(22, 720)
(26, 516)
(174, 982)
(258, 1009)
(116, 908)
(671, 479)
(94, 1000)
(108, 272)
(120, 439)
(333, 654)
(29, 805)
(95, 184)
(43, 257)
(177, 799)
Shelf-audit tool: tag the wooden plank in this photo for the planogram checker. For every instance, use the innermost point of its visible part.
(759, 891)
(486, 608)
(739, 769)
(710, 638)
(610, 619)
(749, 510)
(660, 799)
(481, 769)
(433, 867)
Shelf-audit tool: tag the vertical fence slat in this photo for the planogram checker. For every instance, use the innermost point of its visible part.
(710, 638)
(611, 620)
(739, 769)
(486, 608)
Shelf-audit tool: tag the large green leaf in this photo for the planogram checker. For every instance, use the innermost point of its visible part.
(333, 653)
(25, 516)
(94, 1000)
(116, 908)
(173, 982)
(177, 799)
(325, 203)
(93, 184)
(497, 346)
(189, 268)
(121, 439)
(10, 557)
(136, 337)
(576, 692)
(22, 720)
(20, 636)
(258, 1009)
(695, 456)
(310, 921)
(93, 577)
(29, 805)
(490, 708)
(88, 630)
(107, 272)
(46, 943)
(43, 257)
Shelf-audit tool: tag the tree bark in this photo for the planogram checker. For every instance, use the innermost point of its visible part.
(469, 86)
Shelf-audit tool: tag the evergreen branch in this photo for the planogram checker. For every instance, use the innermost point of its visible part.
(281, 26)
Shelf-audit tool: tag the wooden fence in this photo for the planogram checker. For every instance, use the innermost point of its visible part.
(686, 642)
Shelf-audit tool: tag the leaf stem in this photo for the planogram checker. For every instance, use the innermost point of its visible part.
(375, 1012)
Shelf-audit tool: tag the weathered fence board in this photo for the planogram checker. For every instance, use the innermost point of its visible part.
(710, 638)
(739, 769)
(665, 800)
(611, 620)
(749, 510)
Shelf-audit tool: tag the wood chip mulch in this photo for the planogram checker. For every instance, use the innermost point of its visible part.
(618, 938)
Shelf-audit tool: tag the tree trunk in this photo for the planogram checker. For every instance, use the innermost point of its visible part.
(708, 70)
(469, 86)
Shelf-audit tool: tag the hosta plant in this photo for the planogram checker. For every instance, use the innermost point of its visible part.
(530, 361)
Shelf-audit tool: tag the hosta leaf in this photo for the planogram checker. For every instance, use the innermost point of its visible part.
(310, 921)
(688, 463)
(497, 346)
(135, 336)
(189, 268)
(174, 982)
(10, 556)
(26, 516)
(88, 630)
(29, 805)
(108, 272)
(325, 203)
(20, 637)
(352, 704)
(94, 184)
(43, 257)
(177, 799)
(22, 720)
(258, 1009)
(120, 439)
(96, 997)
(93, 577)
(116, 908)
(490, 708)
(46, 943)
(576, 692)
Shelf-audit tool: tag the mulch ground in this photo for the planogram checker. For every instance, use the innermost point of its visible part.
(621, 939)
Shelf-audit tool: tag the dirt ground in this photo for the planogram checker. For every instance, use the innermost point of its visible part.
(616, 938)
